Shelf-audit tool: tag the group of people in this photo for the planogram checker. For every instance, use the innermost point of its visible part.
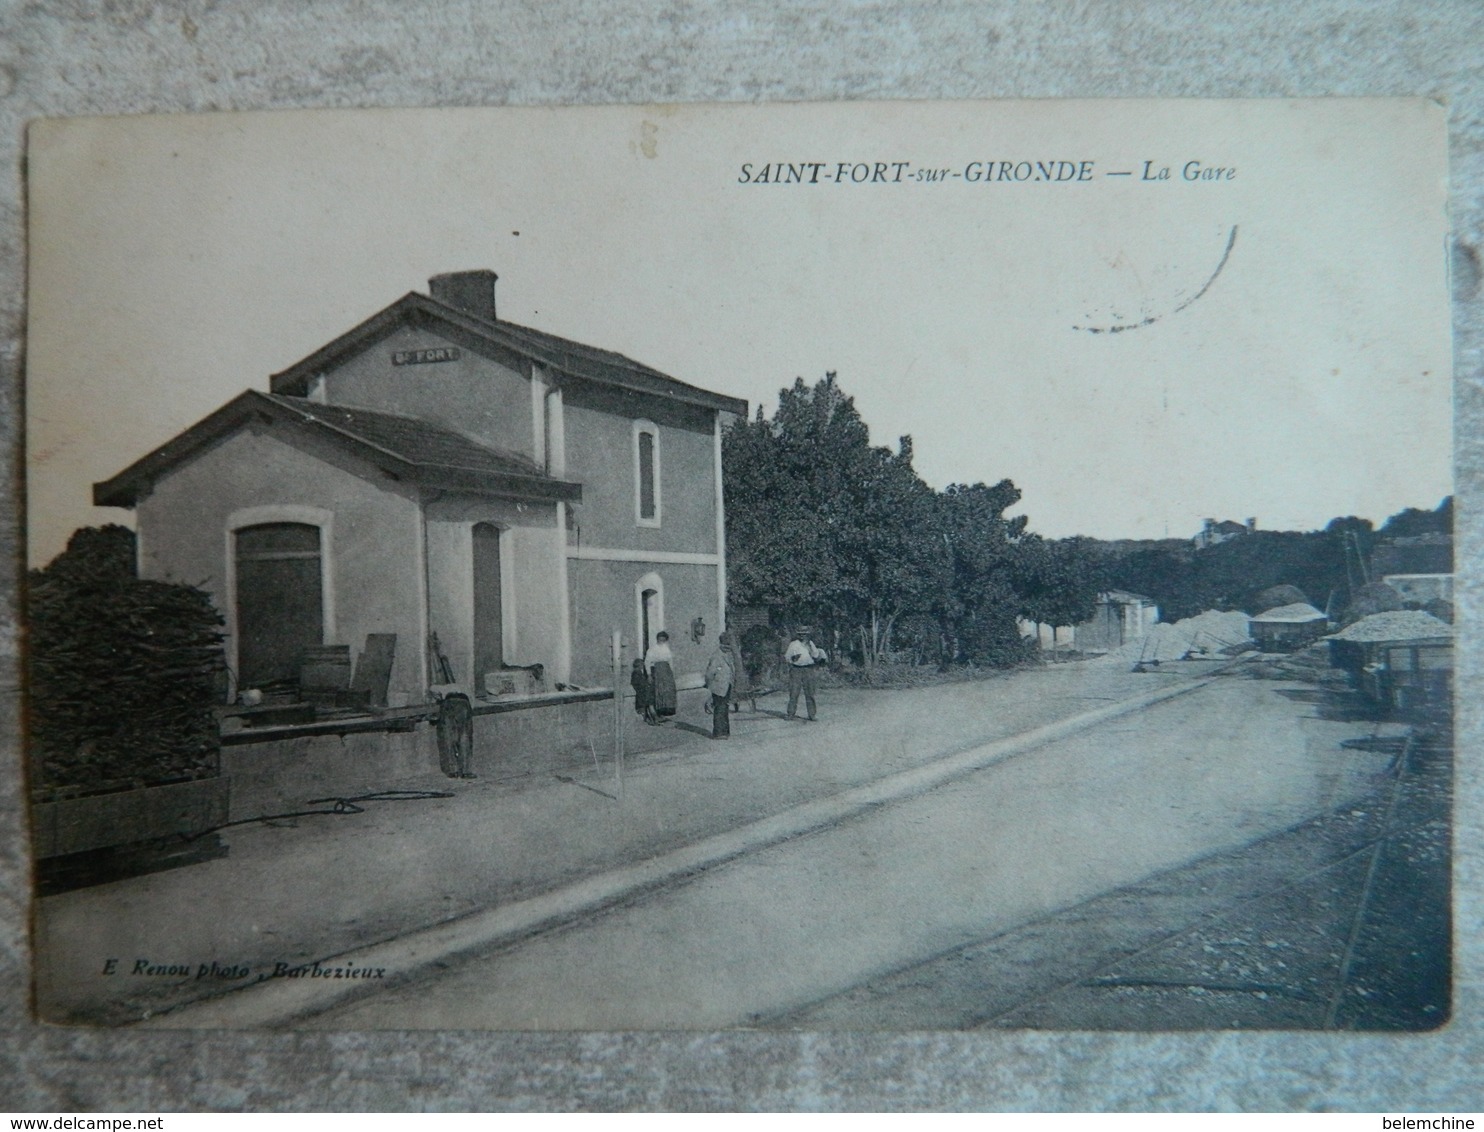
(653, 679)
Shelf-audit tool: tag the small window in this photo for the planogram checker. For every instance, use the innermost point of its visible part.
(1434, 658)
(646, 474)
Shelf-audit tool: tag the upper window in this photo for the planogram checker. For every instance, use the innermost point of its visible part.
(647, 501)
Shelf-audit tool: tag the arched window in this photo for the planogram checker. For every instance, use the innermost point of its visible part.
(647, 500)
(280, 600)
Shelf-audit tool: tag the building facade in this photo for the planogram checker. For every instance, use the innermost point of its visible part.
(1213, 533)
(1118, 617)
(436, 471)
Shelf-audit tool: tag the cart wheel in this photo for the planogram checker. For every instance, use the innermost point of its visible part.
(456, 736)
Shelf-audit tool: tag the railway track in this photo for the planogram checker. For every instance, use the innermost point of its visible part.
(1339, 923)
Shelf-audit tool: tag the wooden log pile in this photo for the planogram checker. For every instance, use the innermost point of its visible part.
(123, 673)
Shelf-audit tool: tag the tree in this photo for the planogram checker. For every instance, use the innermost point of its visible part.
(897, 524)
(824, 526)
(1057, 582)
(1414, 521)
(979, 615)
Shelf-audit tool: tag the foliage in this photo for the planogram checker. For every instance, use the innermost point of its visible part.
(1328, 566)
(761, 650)
(122, 672)
(1414, 521)
(1058, 582)
(821, 525)
(825, 527)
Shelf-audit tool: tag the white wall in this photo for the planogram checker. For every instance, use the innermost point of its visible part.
(372, 547)
(532, 607)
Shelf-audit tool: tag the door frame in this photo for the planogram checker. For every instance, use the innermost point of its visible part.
(277, 513)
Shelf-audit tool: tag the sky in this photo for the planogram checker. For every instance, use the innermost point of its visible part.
(1284, 351)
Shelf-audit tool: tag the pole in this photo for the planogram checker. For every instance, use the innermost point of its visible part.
(618, 711)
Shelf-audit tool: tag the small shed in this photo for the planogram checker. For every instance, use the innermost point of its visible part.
(1402, 660)
(1118, 617)
(1288, 627)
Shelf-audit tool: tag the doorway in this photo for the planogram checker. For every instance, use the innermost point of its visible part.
(280, 600)
(649, 594)
(489, 610)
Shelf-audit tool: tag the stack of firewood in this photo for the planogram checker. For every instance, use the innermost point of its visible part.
(123, 673)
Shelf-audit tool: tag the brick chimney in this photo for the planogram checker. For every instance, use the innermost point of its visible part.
(472, 292)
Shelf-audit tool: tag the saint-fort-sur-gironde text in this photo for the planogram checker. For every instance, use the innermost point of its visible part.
(995, 172)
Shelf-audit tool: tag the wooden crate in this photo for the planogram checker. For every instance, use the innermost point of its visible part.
(98, 821)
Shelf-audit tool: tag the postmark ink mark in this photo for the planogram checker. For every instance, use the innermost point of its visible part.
(1231, 240)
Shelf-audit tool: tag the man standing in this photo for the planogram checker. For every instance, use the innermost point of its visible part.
(802, 655)
(721, 675)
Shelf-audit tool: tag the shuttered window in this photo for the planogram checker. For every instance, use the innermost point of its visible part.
(646, 475)
(647, 501)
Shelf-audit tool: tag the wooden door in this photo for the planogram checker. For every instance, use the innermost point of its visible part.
(489, 619)
(280, 601)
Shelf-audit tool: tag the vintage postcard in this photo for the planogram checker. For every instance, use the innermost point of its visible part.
(844, 566)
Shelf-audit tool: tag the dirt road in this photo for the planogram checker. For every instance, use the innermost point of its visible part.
(771, 934)
(294, 890)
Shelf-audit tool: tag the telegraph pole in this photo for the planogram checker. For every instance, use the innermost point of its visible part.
(617, 646)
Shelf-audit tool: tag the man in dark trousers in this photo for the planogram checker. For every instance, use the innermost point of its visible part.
(802, 655)
(721, 678)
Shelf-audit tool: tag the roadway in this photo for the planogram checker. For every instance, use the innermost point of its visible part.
(773, 937)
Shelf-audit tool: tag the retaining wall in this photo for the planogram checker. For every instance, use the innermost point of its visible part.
(282, 775)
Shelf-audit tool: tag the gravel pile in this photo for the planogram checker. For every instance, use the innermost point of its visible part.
(1209, 634)
(1397, 625)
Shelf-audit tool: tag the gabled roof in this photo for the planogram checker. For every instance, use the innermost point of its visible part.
(406, 447)
(1299, 613)
(1123, 597)
(573, 359)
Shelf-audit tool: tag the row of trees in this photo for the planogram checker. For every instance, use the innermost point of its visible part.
(825, 527)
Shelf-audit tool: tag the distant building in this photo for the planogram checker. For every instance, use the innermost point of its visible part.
(1213, 533)
(1419, 568)
(1287, 628)
(437, 470)
(1401, 659)
(1119, 617)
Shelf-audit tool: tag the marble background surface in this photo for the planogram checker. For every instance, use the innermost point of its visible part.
(74, 57)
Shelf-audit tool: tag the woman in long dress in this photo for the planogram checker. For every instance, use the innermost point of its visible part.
(659, 663)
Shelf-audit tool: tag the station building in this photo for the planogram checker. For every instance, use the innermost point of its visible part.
(438, 471)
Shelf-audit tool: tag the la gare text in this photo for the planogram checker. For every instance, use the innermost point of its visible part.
(1056, 172)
